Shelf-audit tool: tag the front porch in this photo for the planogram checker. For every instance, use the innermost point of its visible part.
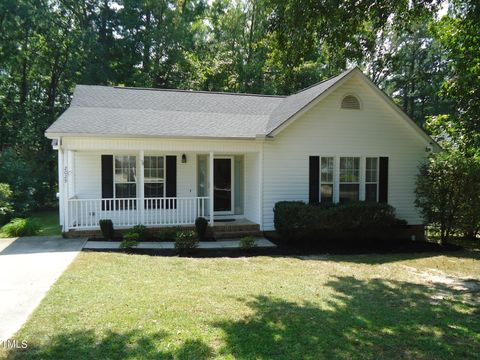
(169, 188)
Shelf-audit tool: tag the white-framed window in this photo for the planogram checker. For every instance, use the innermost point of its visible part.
(326, 179)
(154, 176)
(371, 179)
(125, 177)
(349, 179)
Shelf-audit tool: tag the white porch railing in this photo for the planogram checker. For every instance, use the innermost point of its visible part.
(86, 213)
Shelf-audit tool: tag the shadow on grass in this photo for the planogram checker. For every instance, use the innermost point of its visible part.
(374, 319)
(363, 319)
(375, 259)
(114, 345)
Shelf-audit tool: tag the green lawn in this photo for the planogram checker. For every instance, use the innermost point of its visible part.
(117, 306)
(48, 220)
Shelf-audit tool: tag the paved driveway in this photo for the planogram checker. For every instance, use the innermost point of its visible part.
(28, 268)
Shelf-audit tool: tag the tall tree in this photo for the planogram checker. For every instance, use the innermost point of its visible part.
(459, 34)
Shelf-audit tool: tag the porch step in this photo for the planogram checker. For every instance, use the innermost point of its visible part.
(226, 230)
(237, 234)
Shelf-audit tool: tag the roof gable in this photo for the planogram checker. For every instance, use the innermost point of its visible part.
(296, 102)
(322, 90)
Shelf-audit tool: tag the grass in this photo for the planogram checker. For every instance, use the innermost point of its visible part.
(48, 220)
(124, 306)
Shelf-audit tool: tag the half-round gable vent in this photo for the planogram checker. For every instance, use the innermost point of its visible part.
(350, 102)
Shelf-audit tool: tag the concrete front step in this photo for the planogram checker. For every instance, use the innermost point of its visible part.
(236, 234)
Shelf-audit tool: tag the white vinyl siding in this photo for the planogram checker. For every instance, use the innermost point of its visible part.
(87, 175)
(325, 130)
(252, 188)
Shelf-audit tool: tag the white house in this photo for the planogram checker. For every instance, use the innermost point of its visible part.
(164, 157)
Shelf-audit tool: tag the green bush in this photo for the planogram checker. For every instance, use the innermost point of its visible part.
(186, 241)
(448, 193)
(247, 242)
(6, 205)
(201, 225)
(106, 227)
(296, 220)
(168, 234)
(21, 227)
(130, 239)
(141, 230)
(21, 171)
(287, 218)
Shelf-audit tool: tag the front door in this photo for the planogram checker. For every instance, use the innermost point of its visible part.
(222, 185)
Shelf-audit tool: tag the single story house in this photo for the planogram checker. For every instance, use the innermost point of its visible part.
(163, 157)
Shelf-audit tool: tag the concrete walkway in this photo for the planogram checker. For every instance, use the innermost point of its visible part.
(28, 268)
(223, 244)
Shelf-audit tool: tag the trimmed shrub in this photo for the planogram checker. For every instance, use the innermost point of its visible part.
(247, 242)
(106, 227)
(299, 221)
(141, 230)
(130, 239)
(21, 227)
(287, 218)
(186, 241)
(201, 225)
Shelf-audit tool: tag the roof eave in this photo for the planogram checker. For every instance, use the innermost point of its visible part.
(55, 135)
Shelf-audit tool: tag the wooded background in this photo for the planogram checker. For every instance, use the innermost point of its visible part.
(425, 54)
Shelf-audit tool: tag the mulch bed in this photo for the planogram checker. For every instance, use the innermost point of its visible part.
(149, 239)
(284, 249)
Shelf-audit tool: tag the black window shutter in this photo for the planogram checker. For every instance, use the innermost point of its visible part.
(314, 180)
(107, 180)
(107, 176)
(383, 180)
(171, 180)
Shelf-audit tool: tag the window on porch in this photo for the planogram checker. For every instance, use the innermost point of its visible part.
(154, 176)
(125, 177)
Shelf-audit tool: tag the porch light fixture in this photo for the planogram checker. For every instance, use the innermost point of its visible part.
(184, 159)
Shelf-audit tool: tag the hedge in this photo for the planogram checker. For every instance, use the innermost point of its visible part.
(295, 220)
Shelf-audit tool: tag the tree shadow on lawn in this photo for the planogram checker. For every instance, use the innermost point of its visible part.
(114, 345)
(376, 258)
(363, 319)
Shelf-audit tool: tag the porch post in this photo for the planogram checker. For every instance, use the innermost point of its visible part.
(66, 180)
(61, 203)
(210, 170)
(141, 191)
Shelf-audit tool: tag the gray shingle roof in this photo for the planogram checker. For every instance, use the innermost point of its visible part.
(119, 111)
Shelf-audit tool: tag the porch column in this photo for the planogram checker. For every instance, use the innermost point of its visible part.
(71, 174)
(61, 203)
(67, 180)
(210, 169)
(141, 191)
